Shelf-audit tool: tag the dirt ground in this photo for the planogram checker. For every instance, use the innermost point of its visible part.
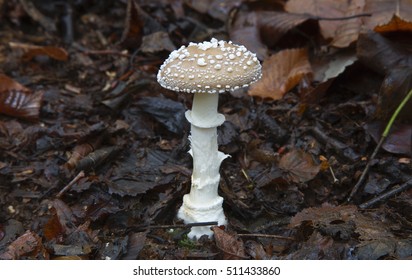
(94, 152)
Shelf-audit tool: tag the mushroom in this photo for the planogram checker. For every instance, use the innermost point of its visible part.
(206, 69)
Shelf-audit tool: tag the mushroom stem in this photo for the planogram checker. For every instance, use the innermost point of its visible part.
(203, 204)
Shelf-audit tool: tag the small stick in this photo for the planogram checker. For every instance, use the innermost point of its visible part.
(387, 195)
(69, 185)
(264, 236)
(189, 225)
(383, 137)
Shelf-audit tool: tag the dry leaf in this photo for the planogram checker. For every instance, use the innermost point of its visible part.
(28, 243)
(231, 245)
(281, 72)
(299, 166)
(321, 8)
(395, 24)
(348, 30)
(17, 100)
(383, 10)
(273, 25)
(30, 51)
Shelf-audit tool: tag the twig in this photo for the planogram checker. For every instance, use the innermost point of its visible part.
(69, 185)
(381, 141)
(340, 18)
(264, 236)
(189, 225)
(387, 195)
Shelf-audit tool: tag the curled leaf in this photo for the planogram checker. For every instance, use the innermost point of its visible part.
(299, 166)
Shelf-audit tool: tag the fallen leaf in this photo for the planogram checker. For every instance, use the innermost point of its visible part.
(134, 24)
(245, 31)
(230, 244)
(273, 25)
(281, 72)
(322, 8)
(383, 10)
(31, 51)
(299, 166)
(395, 24)
(27, 244)
(399, 139)
(348, 31)
(19, 101)
(381, 54)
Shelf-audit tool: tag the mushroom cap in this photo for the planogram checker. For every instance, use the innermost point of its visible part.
(209, 67)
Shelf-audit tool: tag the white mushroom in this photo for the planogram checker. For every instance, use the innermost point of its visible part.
(232, 66)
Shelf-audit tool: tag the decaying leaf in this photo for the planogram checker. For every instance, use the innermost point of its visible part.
(31, 51)
(27, 244)
(133, 31)
(281, 72)
(19, 101)
(230, 244)
(299, 166)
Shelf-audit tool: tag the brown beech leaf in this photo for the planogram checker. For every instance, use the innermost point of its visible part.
(281, 72)
(321, 8)
(18, 101)
(299, 166)
(381, 54)
(231, 245)
(348, 31)
(395, 24)
(273, 25)
(245, 31)
(399, 139)
(383, 10)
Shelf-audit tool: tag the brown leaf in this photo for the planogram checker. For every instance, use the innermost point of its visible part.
(395, 24)
(133, 30)
(30, 51)
(281, 72)
(324, 215)
(383, 10)
(381, 54)
(18, 101)
(273, 25)
(321, 8)
(299, 166)
(245, 31)
(27, 244)
(348, 31)
(231, 245)
(399, 139)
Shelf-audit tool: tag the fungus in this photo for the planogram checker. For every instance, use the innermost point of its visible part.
(206, 69)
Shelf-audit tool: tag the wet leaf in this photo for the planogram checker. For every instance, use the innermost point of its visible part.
(133, 30)
(157, 42)
(18, 101)
(27, 244)
(281, 72)
(229, 243)
(398, 140)
(395, 87)
(381, 54)
(55, 53)
(135, 244)
(167, 112)
(299, 166)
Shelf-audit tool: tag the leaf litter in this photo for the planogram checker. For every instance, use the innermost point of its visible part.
(93, 152)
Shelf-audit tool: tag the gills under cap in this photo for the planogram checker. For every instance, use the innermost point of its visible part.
(209, 67)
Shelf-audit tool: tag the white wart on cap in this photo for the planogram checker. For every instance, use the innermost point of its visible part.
(209, 67)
